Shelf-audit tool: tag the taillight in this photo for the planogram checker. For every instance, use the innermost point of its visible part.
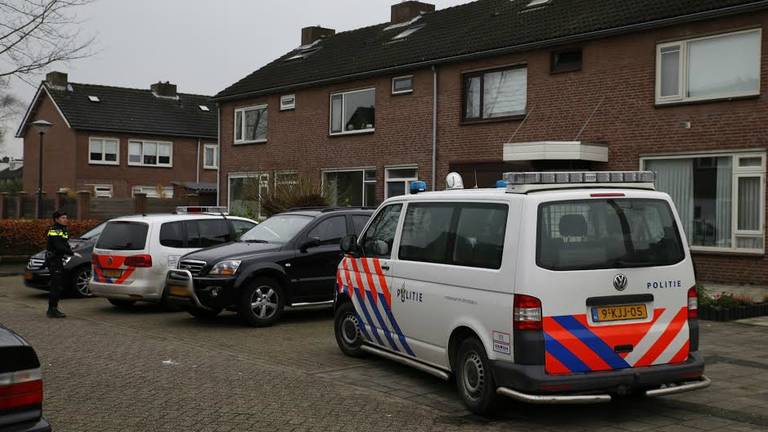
(139, 261)
(21, 389)
(526, 314)
(693, 303)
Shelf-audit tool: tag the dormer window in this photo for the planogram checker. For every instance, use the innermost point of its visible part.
(94, 99)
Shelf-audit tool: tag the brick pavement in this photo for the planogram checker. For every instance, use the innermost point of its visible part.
(146, 370)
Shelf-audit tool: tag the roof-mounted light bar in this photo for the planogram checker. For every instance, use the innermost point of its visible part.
(521, 182)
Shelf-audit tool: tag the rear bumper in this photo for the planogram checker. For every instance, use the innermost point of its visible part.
(39, 426)
(531, 383)
(138, 290)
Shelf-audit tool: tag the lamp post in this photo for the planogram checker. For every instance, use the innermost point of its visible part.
(41, 126)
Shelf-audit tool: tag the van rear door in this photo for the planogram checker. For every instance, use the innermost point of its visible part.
(613, 274)
(121, 255)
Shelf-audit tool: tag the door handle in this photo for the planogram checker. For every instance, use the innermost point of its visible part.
(385, 267)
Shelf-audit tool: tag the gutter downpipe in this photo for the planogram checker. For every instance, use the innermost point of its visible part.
(197, 175)
(218, 155)
(434, 127)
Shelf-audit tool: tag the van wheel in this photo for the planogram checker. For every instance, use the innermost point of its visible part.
(474, 377)
(80, 279)
(122, 304)
(201, 313)
(261, 302)
(346, 326)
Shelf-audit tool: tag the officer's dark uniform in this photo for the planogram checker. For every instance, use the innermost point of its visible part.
(58, 248)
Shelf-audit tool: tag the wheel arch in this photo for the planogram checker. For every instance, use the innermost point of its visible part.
(272, 271)
(461, 332)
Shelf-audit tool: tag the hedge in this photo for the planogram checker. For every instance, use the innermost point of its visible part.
(28, 236)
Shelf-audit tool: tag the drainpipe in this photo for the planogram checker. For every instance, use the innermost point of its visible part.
(434, 127)
(197, 176)
(218, 155)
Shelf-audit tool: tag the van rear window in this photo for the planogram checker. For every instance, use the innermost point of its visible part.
(607, 233)
(121, 235)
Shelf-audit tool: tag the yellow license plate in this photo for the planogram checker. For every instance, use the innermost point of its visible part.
(112, 273)
(619, 313)
(178, 291)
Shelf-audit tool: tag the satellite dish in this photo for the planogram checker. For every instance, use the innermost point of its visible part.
(454, 181)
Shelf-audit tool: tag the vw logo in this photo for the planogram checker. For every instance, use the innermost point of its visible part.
(620, 282)
(109, 260)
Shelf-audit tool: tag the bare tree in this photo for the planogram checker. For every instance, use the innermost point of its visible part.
(37, 33)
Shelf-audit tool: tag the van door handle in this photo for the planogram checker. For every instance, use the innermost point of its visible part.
(385, 267)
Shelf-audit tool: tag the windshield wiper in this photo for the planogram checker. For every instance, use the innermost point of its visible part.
(254, 241)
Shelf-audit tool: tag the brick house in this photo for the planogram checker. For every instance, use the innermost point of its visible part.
(117, 141)
(498, 85)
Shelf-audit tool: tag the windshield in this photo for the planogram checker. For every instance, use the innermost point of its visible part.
(277, 229)
(123, 235)
(94, 232)
(607, 233)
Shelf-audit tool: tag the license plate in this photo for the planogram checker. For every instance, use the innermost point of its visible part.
(112, 273)
(179, 291)
(619, 313)
(28, 275)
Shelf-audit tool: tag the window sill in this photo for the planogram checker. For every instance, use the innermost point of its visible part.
(518, 117)
(211, 168)
(727, 252)
(674, 103)
(402, 93)
(261, 141)
(357, 132)
(103, 163)
(149, 166)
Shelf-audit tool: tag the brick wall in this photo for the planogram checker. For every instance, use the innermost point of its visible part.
(616, 83)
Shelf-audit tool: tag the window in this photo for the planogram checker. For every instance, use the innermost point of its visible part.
(241, 227)
(204, 108)
(206, 232)
(150, 153)
(495, 94)
(102, 190)
(353, 112)
(464, 234)
(711, 67)
(358, 223)
(286, 179)
(123, 236)
(94, 99)
(172, 235)
(607, 233)
(566, 61)
(405, 33)
(398, 181)
(287, 102)
(245, 193)
(278, 229)
(329, 231)
(251, 124)
(354, 188)
(380, 236)
(402, 85)
(210, 156)
(103, 151)
(720, 198)
(153, 191)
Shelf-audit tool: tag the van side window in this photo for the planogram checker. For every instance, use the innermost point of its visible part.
(480, 235)
(172, 235)
(378, 239)
(427, 234)
(329, 231)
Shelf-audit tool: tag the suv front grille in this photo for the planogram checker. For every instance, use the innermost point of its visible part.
(35, 264)
(194, 267)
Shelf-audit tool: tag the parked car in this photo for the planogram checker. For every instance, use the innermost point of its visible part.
(77, 268)
(21, 386)
(133, 253)
(289, 260)
(559, 288)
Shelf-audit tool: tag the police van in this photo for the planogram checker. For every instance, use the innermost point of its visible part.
(557, 287)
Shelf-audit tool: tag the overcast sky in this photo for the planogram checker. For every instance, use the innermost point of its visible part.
(201, 45)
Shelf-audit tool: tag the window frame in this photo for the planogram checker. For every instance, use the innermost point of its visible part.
(103, 151)
(285, 106)
(402, 92)
(466, 76)
(157, 153)
(139, 189)
(243, 110)
(737, 172)
(263, 177)
(393, 252)
(105, 186)
(206, 164)
(343, 95)
(406, 180)
(347, 170)
(553, 63)
(682, 77)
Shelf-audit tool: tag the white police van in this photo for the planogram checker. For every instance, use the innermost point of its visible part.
(568, 287)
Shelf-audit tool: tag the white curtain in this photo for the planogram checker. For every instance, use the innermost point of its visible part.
(749, 203)
(724, 65)
(505, 93)
(675, 177)
(723, 205)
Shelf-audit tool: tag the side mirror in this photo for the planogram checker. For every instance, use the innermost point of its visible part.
(313, 242)
(380, 248)
(349, 245)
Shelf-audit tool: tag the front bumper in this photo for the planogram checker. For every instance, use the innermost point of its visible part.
(39, 279)
(186, 291)
(532, 384)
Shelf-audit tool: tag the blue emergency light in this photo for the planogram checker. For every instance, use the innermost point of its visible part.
(501, 184)
(418, 186)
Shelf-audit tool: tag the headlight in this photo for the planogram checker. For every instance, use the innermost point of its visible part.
(225, 268)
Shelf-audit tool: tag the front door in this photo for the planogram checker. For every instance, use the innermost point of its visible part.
(317, 259)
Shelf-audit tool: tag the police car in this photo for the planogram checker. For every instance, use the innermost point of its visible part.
(557, 287)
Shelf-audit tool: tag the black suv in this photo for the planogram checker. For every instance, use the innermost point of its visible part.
(289, 260)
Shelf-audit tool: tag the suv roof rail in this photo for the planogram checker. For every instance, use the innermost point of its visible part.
(323, 209)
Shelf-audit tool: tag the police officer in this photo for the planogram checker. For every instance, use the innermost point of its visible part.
(58, 248)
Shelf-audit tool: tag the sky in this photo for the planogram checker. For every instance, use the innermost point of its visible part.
(202, 46)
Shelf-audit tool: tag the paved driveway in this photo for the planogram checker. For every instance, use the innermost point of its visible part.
(147, 370)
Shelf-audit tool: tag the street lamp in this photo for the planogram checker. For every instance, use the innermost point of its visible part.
(41, 126)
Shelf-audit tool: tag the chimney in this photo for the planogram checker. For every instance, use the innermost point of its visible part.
(408, 10)
(311, 34)
(57, 79)
(164, 89)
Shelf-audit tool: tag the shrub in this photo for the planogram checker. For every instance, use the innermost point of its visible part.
(28, 236)
(722, 300)
(304, 193)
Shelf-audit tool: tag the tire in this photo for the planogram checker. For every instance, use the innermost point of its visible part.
(201, 313)
(261, 302)
(346, 327)
(79, 285)
(474, 377)
(165, 302)
(122, 304)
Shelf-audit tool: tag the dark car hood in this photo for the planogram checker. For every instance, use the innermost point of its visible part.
(237, 250)
(77, 245)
